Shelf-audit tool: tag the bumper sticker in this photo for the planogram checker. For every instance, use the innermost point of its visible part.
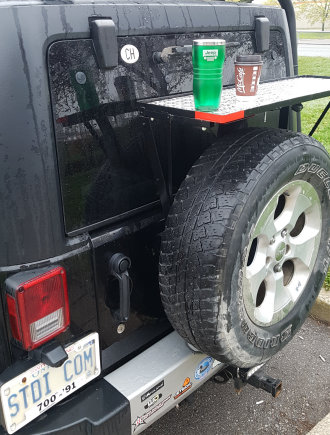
(152, 391)
(146, 415)
(185, 387)
(203, 368)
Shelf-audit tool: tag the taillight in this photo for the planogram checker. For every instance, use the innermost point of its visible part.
(38, 305)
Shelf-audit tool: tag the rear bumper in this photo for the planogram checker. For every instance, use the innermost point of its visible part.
(98, 409)
(132, 397)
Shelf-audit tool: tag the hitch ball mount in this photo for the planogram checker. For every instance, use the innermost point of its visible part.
(252, 376)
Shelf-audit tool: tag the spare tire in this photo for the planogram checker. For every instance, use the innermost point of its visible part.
(246, 245)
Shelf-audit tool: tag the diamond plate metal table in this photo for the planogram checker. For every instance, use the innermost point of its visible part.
(271, 95)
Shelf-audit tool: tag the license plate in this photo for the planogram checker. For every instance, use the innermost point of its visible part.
(33, 392)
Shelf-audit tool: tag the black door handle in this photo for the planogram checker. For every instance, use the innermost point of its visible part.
(118, 267)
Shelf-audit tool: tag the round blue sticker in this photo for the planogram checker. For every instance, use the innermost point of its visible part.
(203, 368)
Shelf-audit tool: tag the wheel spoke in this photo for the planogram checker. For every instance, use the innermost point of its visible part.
(256, 273)
(302, 248)
(291, 291)
(269, 228)
(265, 225)
(265, 312)
(294, 207)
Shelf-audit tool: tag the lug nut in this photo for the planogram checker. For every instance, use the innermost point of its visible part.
(284, 232)
(277, 268)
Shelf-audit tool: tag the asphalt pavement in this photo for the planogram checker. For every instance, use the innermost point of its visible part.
(304, 368)
(313, 50)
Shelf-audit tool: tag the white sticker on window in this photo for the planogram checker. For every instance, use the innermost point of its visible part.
(129, 53)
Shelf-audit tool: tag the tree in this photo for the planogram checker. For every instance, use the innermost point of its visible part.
(314, 10)
(274, 3)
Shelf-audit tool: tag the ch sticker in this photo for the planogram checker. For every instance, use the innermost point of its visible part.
(129, 53)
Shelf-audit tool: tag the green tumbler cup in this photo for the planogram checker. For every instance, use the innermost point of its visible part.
(208, 56)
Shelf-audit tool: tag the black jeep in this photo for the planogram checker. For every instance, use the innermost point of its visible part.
(144, 246)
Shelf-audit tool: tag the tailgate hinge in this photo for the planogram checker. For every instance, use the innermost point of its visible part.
(104, 36)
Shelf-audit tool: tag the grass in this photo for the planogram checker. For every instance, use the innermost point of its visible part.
(313, 109)
(327, 282)
(312, 35)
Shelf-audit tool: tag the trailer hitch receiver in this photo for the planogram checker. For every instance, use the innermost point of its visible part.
(261, 380)
(252, 376)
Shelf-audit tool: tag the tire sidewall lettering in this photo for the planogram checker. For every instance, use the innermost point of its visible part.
(265, 343)
(314, 168)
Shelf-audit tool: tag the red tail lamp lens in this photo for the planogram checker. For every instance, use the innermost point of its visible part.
(13, 318)
(38, 307)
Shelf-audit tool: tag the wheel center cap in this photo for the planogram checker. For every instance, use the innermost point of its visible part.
(280, 251)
